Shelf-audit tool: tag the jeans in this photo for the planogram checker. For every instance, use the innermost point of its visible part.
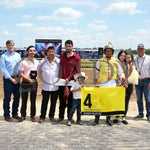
(141, 88)
(63, 104)
(25, 89)
(45, 99)
(10, 88)
(75, 104)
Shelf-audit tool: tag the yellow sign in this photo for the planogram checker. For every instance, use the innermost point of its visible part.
(103, 100)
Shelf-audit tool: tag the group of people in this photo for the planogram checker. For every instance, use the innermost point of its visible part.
(68, 67)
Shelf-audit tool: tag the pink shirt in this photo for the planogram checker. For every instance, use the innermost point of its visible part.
(27, 65)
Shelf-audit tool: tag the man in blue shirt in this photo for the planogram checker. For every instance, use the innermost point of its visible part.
(8, 64)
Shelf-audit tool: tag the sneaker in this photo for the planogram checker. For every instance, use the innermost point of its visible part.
(68, 123)
(125, 122)
(139, 117)
(80, 122)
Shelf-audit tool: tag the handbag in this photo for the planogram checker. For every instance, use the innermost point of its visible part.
(133, 78)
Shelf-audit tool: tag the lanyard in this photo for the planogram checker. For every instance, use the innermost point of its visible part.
(140, 68)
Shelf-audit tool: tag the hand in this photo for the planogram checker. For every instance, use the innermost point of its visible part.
(31, 80)
(79, 89)
(96, 85)
(125, 84)
(67, 80)
(14, 81)
(17, 79)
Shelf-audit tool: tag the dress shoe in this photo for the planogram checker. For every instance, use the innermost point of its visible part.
(72, 121)
(21, 119)
(16, 117)
(115, 121)
(125, 122)
(148, 119)
(41, 120)
(80, 122)
(8, 119)
(68, 123)
(60, 119)
(52, 119)
(139, 116)
(33, 119)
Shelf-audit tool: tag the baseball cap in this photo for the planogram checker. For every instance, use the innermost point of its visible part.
(141, 46)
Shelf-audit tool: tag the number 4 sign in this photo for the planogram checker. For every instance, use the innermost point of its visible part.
(103, 100)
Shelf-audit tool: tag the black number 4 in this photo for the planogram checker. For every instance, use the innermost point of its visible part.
(87, 101)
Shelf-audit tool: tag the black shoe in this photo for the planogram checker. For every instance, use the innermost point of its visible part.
(139, 117)
(125, 122)
(115, 121)
(148, 119)
(95, 123)
(108, 121)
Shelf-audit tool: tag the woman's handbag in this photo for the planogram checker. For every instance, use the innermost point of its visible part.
(133, 78)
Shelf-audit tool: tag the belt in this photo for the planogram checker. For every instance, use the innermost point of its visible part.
(26, 81)
(78, 99)
(14, 77)
(144, 79)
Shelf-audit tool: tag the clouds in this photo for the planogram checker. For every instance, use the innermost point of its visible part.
(26, 16)
(63, 14)
(28, 25)
(12, 3)
(98, 25)
(123, 8)
(81, 21)
(6, 33)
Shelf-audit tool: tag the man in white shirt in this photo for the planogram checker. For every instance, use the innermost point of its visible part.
(49, 70)
(142, 63)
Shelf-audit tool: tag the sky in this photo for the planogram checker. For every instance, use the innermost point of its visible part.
(88, 23)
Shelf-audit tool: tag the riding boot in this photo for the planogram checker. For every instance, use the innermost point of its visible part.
(96, 121)
(108, 121)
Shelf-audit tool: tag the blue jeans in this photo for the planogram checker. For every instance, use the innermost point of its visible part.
(141, 88)
(10, 88)
(75, 104)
